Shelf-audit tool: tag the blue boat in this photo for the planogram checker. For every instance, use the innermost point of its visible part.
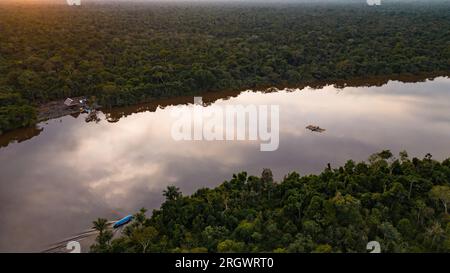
(125, 220)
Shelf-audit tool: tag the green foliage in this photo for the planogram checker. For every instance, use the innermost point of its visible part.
(230, 246)
(16, 116)
(14, 111)
(339, 210)
(441, 194)
(136, 53)
(102, 242)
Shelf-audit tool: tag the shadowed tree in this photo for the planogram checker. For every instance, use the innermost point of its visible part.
(104, 237)
(172, 193)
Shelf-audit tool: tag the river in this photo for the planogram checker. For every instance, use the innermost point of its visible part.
(59, 177)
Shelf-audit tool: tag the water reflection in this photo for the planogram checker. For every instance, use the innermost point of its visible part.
(19, 135)
(55, 184)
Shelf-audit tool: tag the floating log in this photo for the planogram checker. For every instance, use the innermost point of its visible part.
(315, 128)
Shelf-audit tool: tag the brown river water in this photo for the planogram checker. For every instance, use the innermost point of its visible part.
(57, 178)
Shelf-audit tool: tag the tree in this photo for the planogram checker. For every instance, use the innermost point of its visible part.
(244, 231)
(323, 249)
(267, 176)
(338, 210)
(442, 194)
(104, 236)
(230, 246)
(436, 234)
(101, 224)
(172, 193)
(144, 237)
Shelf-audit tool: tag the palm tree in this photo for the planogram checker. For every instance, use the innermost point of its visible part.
(104, 236)
(172, 193)
(100, 225)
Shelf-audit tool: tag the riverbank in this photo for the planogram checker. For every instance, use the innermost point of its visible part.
(57, 109)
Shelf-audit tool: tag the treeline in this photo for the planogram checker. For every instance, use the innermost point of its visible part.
(128, 53)
(402, 203)
(15, 112)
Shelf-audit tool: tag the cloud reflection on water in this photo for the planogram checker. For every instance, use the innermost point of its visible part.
(55, 184)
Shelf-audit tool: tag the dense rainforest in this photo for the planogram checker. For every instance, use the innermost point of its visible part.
(400, 202)
(128, 53)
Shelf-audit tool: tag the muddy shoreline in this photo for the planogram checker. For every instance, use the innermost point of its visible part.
(57, 109)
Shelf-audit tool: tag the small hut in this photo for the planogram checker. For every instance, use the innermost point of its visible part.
(71, 102)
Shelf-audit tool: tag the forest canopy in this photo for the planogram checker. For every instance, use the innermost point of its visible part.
(401, 203)
(129, 53)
